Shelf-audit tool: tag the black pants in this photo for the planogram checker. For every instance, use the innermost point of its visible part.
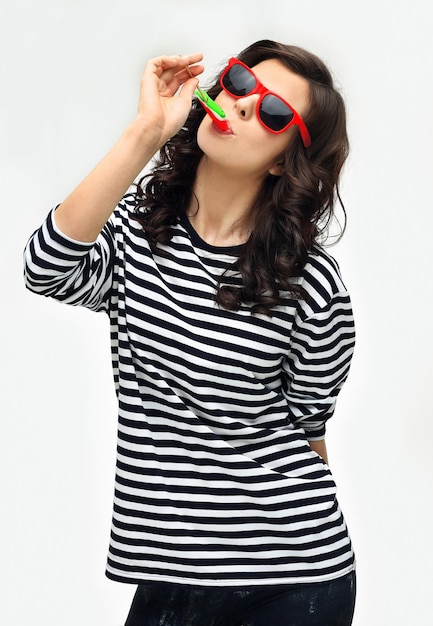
(319, 604)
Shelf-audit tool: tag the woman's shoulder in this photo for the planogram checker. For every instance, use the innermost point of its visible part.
(322, 279)
(124, 217)
(127, 206)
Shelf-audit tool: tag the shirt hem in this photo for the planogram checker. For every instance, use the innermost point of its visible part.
(133, 580)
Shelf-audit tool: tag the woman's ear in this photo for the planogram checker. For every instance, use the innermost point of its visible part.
(277, 169)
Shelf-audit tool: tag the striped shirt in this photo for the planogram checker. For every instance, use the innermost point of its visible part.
(216, 483)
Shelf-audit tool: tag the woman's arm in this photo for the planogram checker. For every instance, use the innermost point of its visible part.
(160, 115)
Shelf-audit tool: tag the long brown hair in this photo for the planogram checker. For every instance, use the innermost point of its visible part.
(292, 211)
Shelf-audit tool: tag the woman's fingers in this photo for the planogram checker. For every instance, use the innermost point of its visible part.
(180, 60)
(167, 90)
(181, 78)
(172, 71)
(171, 65)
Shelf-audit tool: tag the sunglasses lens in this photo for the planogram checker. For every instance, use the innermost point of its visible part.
(239, 81)
(275, 113)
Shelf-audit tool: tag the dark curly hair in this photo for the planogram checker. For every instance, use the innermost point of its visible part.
(292, 212)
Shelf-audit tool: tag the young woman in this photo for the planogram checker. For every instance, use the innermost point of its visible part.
(232, 334)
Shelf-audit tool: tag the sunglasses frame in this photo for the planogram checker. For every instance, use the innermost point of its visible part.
(263, 91)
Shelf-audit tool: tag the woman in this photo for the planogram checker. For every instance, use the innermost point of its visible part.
(232, 334)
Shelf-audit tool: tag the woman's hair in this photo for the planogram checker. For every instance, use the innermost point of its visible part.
(291, 212)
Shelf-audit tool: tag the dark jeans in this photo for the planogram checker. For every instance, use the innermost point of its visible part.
(171, 604)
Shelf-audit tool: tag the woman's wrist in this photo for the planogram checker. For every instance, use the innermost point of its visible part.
(143, 139)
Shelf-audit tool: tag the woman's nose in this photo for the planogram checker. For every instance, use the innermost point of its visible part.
(246, 107)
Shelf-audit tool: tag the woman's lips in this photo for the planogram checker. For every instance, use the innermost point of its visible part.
(225, 129)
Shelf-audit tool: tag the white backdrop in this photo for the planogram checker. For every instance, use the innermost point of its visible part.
(70, 72)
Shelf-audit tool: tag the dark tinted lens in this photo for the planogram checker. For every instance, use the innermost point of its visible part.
(275, 113)
(238, 81)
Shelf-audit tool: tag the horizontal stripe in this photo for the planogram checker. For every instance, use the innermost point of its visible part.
(215, 480)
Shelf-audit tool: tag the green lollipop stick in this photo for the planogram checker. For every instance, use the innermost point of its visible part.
(211, 104)
(212, 108)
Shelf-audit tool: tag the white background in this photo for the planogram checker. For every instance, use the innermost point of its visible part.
(70, 72)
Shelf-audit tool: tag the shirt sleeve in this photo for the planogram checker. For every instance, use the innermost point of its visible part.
(73, 272)
(318, 364)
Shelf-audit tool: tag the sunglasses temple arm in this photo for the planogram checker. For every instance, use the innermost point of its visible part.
(305, 135)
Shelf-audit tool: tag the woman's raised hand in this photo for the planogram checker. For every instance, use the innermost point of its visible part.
(166, 92)
(165, 101)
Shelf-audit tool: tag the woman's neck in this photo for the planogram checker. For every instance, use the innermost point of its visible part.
(221, 205)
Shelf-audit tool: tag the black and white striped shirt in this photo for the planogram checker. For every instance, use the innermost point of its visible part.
(216, 483)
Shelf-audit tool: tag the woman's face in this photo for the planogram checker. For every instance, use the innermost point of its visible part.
(250, 149)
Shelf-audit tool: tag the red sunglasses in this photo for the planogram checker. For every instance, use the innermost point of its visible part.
(274, 113)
